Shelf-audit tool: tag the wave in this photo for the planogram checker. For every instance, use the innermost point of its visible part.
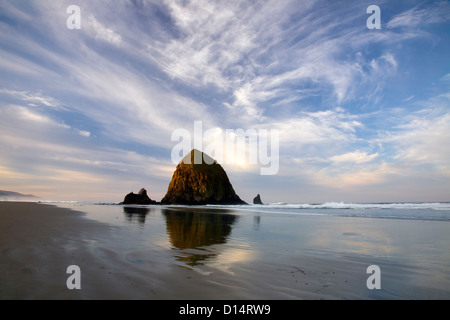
(444, 206)
(437, 211)
(434, 211)
(361, 206)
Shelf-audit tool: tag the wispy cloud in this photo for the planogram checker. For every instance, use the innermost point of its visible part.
(255, 58)
(233, 48)
(102, 32)
(355, 157)
(328, 127)
(32, 98)
(422, 141)
(53, 154)
(421, 15)
(354, 107)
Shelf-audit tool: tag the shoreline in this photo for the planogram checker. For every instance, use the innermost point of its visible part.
(39, 241)
(37, 244)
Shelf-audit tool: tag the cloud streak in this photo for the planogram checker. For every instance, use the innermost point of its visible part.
(355, 108)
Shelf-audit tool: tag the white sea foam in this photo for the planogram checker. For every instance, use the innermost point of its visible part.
(399, 210)
(344, 205)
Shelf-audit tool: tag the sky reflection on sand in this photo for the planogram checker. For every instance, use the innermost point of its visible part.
(189, 228)
(412, 254)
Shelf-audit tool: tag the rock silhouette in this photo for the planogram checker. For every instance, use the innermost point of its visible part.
(140, 198)
(198, 180)
(257, 200)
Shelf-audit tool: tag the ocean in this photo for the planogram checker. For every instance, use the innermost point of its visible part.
(433, 211)
(329, 245)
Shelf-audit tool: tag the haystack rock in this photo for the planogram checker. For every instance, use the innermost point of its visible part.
(257, 200)
(198, 180)
(140, 198)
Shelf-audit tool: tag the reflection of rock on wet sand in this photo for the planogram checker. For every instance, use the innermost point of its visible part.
(197, 229)
(136, 213)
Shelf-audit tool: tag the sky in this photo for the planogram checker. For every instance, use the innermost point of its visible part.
(362, 114)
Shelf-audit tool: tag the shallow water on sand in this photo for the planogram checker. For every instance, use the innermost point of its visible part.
(284, 254)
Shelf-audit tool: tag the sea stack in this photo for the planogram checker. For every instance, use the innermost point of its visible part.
(198, 180)
(257, 200)
(140, 198)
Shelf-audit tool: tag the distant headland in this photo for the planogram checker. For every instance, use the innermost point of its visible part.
(11, 195)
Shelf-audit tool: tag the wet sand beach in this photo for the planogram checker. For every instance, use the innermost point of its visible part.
(209, 253)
